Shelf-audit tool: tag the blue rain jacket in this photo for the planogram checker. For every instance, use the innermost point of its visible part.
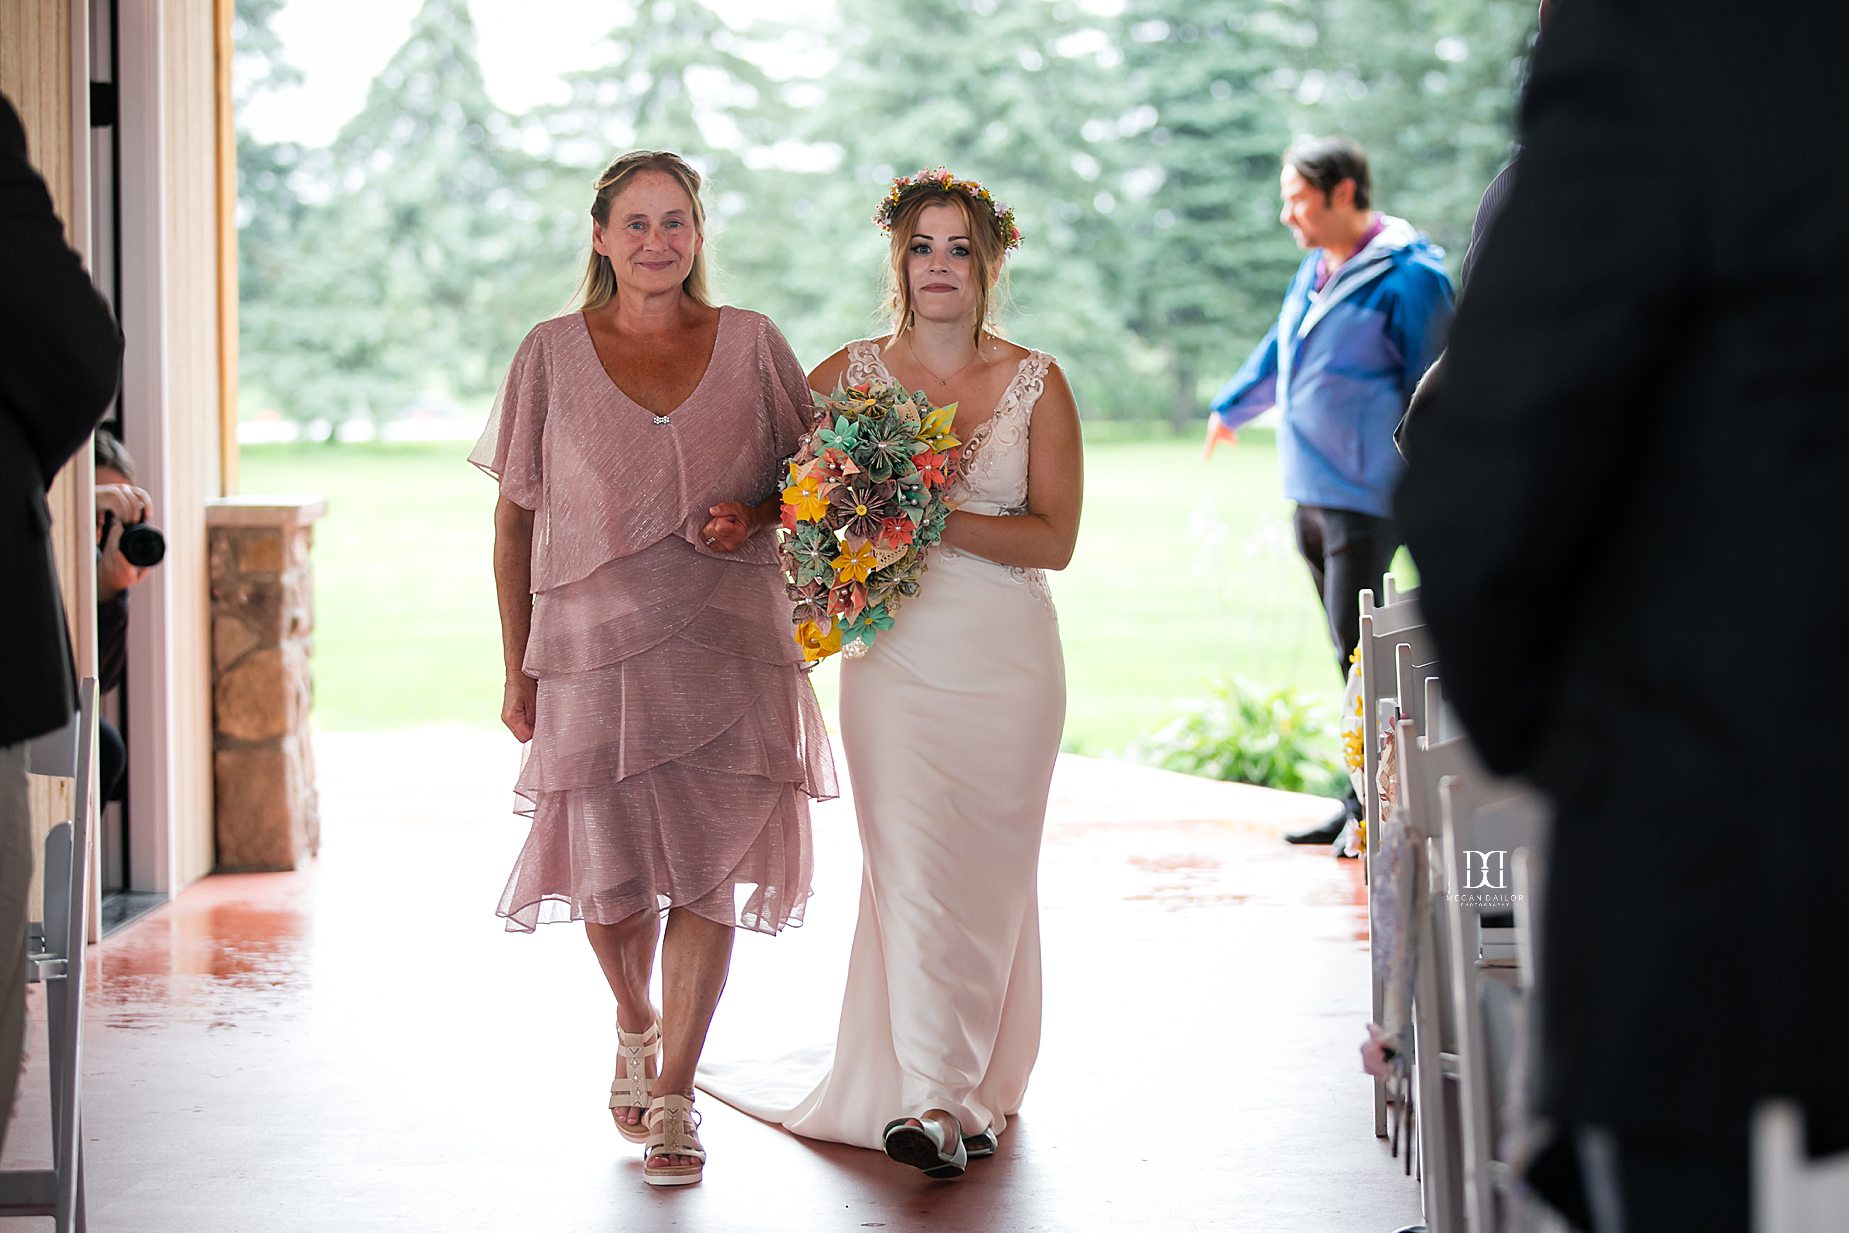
(1351, 357)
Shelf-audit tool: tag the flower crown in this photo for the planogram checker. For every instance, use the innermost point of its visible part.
(939, 178)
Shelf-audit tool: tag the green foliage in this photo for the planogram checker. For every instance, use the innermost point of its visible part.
(1174, 583)
(1428, 87)
(1139, 147)
(1245, 733)
(401, 261)
(1204, 124)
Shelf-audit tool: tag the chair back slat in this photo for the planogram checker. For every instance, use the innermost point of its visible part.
(1791, 1192)
(58, 956)
(1381, 625)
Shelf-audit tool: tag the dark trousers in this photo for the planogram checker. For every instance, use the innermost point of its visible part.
(1347, 553)
(111, 761)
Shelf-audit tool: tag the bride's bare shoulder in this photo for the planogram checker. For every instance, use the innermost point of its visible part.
(999, 350)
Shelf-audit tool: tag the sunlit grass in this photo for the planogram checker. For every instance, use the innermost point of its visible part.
(1184, 571)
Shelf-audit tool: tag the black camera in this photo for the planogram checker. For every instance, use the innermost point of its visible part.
(141, 544)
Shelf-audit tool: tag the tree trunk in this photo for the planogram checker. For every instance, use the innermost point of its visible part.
(1184, 406)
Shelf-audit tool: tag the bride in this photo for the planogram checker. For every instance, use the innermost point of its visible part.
(951, 723)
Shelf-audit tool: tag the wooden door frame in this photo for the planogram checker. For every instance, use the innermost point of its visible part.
(142, 258)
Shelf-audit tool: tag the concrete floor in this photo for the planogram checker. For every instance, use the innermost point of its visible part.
(360, 1047)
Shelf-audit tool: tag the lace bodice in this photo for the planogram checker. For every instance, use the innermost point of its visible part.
(994, 473)
(994, 478)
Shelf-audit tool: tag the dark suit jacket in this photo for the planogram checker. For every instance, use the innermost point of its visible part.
(60, 354)
(1489, 208)
(1625, 499)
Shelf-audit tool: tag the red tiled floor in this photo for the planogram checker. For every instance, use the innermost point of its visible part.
(360, 1047)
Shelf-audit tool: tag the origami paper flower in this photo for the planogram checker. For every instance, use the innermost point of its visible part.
(863, 500)
(854, 564)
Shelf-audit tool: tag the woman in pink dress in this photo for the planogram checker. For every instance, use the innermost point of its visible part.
(951, 723)
(672, 742)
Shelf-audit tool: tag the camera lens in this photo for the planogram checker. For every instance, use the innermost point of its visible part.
(141, 545)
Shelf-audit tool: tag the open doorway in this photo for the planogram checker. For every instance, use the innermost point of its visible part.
(129, 880)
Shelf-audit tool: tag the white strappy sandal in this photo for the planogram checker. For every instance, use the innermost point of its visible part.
(629, 1089)
(673, 1130)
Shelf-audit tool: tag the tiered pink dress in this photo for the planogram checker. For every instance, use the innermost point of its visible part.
(952, 724)
(676, 743)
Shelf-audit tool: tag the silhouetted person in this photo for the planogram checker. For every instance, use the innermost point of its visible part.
(1624, 499)
(60, 353)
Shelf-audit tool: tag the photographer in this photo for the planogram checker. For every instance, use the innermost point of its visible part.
(120, 507)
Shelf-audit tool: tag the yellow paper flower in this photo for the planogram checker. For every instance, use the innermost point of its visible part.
(854, 564)
(936, 430)
(1353, 750)
(817, 643)
(806, 498)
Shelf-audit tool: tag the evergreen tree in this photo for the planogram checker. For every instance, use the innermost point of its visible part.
(996, 92)
(427, 251)
(269, 200)
(1140, 152)
(432, 179)
(1429, 88)
(1206, 129)
(676, 77)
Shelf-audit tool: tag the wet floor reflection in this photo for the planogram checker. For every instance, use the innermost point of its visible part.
(231, 949)
(359, 1046)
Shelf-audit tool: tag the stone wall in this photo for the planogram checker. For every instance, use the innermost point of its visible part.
(262, 694)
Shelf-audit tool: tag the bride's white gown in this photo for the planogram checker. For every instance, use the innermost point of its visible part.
(951, 724)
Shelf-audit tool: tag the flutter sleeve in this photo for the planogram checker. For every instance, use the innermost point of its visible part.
(511, 447)
(786, 390)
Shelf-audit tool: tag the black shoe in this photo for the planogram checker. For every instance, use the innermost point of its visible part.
(1327, 833)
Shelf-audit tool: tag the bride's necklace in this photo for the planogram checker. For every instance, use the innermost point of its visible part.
(942, 381)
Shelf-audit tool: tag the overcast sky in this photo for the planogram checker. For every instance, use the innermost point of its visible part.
(524, 47)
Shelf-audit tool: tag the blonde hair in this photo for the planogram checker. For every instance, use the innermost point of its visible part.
(986, 247)
(599, 285)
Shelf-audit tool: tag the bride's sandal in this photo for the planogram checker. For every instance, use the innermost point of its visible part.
(629, 1089)
(917, 1141)
(673, 1130)
(981, 1145)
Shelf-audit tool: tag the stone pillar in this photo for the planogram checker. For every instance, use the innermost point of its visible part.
(262, 627)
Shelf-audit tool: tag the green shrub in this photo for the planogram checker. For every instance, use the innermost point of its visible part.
(1248, 734)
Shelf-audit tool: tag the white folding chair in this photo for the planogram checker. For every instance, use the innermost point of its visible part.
(1488, 824)
(1435, 1031)
(1791, 1192)
(1391, 594)
(55, 952)
(1383, 627)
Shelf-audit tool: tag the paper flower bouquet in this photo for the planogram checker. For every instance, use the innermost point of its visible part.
(865, 497)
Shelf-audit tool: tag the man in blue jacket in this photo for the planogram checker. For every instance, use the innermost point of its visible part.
(1364, 318)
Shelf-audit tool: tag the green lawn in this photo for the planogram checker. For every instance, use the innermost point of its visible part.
(1184, 571)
